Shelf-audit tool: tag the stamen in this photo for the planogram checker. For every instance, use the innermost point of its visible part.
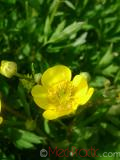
(61, 95)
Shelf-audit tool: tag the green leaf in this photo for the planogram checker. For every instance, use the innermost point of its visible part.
(81, 40)
(69, 4)
(24, 139)
(110, 70)
(30, 137)
(107, 58)
(47, 28)
(54, 5)
(22, 144)
(10, 1)
(58, 30)
(67, 32)
(99, 81)
(26, 49)
(110, 10)
(113, 130)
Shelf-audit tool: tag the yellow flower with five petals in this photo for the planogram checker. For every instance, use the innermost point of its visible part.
(58, 95)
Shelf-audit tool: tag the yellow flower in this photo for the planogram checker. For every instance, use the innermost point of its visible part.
(8, 68)
(58, 95)
(1, 119)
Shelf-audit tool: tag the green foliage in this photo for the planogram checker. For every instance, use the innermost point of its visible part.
(84, 35)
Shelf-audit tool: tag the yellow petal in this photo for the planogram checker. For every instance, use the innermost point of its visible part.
(1, 120)
(50, 114)
(39, 94)
(86, 97)
(80, 84)
(56, 74)
(54, 114)
(38, 90)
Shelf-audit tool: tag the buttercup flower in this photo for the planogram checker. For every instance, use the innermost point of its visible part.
(8, 68)
(1, 119)
(58, 95)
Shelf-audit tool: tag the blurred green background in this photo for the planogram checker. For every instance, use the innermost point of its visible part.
(83, 35)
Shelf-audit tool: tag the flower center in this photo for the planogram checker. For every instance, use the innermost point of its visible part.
(61, 95)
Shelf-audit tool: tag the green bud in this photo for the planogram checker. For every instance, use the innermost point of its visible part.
(37, 77)
(30, 124)
(86, 75)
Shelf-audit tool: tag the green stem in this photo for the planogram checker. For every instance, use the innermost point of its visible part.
(17, 114)
(26, 8)
(13, 123)
(24, 77)
(23, 98)
(61, 123)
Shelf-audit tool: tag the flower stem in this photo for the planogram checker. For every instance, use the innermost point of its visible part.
(17, 114)
(24, 77)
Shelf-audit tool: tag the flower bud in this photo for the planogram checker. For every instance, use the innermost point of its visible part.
(8, 68)
(86, 75)
(30, 124)
(37, 77)
(1, 120)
